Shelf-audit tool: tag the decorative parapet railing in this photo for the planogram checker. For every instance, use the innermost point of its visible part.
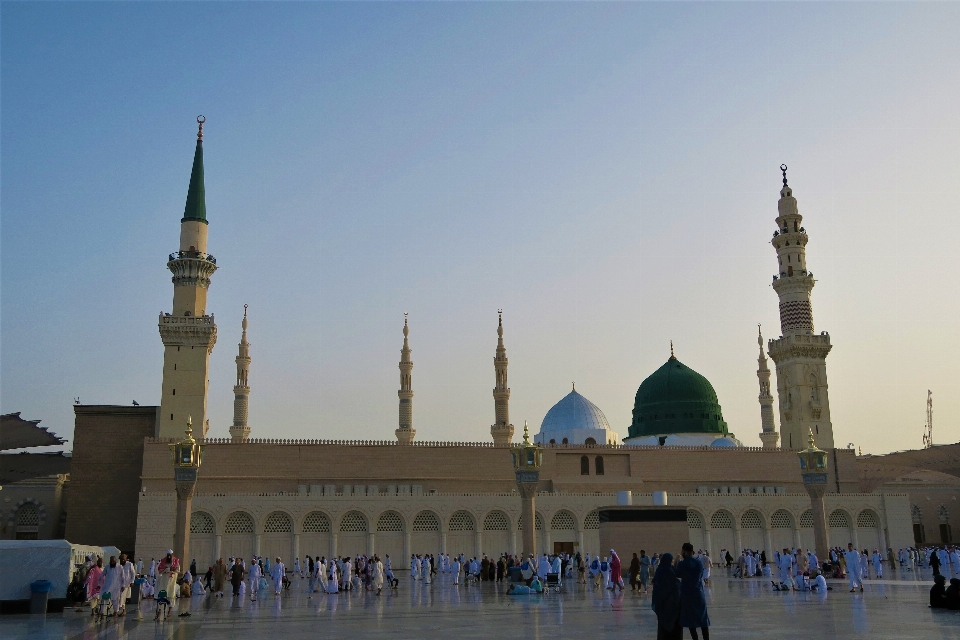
(167, 319)
(191, 255)
(542, 494)
(481, 445)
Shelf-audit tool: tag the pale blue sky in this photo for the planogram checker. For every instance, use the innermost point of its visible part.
(605, 173)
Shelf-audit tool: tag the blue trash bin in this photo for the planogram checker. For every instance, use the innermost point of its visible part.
(39, 594)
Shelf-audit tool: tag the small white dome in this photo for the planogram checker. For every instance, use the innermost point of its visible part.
(723, 442)
(574, 412)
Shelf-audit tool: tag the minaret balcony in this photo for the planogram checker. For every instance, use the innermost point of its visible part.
(191, 268)
(806, 345)
(191, 255)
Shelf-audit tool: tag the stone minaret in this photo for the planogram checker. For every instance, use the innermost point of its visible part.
(768, 433)
(799, 353)
(406, 432)
(240, 431)
(502, 430)
(188, 333)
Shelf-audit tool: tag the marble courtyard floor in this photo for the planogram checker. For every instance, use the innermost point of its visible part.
(738, 609)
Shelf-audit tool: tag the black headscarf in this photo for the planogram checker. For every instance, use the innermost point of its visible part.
(666, 594)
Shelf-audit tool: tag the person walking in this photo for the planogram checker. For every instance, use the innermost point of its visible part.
(693, 601)
(644, 571)
(666, 600)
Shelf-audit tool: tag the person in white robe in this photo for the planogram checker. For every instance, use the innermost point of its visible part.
(377, 574)
(255, 575)
(425, 569)
(543, 566)
(785, 563)
(332, 585)
(455, 570)
(152, 571)
(954, 557)
(139, 566)
(854, 568)
(113, 584)
(277, 572)
(877, 563)
(296, 567)
(556, 566)
(415, 567)
(707, 566)
(347, 574)
(819, 583)
(813, 560)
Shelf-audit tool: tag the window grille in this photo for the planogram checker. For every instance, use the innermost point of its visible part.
(238, 522)
(781, 519)
(721, 520)
(28, 515)
(390, 521)
(316, 522)
(806, 519)
(496, 521)
(538, 523)
(867, 520)
(839, 519)
(353, 522)
(751, 520)
(592, 521)
(461, 521)
(694, 521)
(278, 522)
(563, 521)
(426, 521)
(201, 522)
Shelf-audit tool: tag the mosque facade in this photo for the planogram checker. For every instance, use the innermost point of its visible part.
(289, 498)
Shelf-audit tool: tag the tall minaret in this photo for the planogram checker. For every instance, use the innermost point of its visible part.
(406, 432)
(188, 333)
(240, 431)
(502, 430)
(799, 353)
(768, 433)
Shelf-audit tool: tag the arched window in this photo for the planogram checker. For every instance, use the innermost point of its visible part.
(316, 522)
(537, 523)
(839, 520)
(694, 521)
(781, 519)
(278, 522)
(496, 521)
(462, 521)
(426, 521)
(599, 463)
(721, 520)
(353, 522)
(806, 519)
(201, 522)
(390, 521)
(238, 522)
(563, 521)
(28, 521)
(751, 520)
(867, 520)
(592, 521)
(584, 466)
(590, 441)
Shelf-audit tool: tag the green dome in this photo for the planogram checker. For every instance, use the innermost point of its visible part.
(676, 399)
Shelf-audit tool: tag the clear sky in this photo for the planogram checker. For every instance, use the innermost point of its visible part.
(605, 173)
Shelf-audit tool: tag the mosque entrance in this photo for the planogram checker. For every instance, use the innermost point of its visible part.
(562, 547)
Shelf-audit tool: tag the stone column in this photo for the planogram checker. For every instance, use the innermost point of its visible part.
(738, 545)
(528, 492)
(371, 541)
(478, 543)
(333, 544)
(821, 534)
(547, 542)
(443, 542)
(296, 545)
(218, 544)
(709, 545)
(580, 540)
(513, 542)
(186, 483)
(406, 548)
(768, 540)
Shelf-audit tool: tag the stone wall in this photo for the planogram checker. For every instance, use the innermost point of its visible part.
(105, 474)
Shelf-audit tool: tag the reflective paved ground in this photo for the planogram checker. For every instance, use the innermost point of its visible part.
(892, 608)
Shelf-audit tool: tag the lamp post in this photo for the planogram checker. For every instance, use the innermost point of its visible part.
(185, 456)
(813, 469)
(527, 458)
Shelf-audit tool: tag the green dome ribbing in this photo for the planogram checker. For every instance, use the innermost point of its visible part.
(676, 399)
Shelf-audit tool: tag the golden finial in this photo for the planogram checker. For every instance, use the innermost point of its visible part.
(672, 357)
(783, 168)
(526, 434)
(200, 121)
(244, 311)
(500, 315)
(810, 440)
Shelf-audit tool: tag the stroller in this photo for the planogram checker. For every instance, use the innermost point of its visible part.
(554, 582)
(164, 606)
(105, 606)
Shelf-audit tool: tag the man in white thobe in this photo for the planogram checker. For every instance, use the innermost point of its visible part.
(255, 575)
(455, 570)
(377, 574)
(877, 563)
(332, 579)
(954, 561)
(854, 568)
(277, 572)
(785, 564)
(543, 567)
(415, 567)
(113, 584)
(129, 575)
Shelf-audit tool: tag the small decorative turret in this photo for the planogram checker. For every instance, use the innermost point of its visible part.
(501, 430)
(406, 433)
(240, 431)
(768, 433)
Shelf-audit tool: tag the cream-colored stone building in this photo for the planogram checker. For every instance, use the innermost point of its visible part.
(400, 496)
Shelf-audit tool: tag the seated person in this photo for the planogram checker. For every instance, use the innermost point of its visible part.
(517, 589)
(953, 594)
(819, 582)
(938, 594)
(536, 585)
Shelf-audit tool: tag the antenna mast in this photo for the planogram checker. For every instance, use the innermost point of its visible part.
(928, 431)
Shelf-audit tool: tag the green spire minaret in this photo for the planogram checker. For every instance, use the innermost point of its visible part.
(196, 208)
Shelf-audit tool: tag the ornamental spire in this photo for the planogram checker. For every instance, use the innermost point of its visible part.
(196, 207)
(240, 431)
(405, 431)
(672, 357)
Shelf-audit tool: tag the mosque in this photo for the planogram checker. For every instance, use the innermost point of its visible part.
(287, 498)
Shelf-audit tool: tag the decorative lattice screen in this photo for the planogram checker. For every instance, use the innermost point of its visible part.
(694, 521)
(538, 523)
(316, 522)
(238, 522)
(426, 521)
(353, 522)
(390, 521)
(806, 519)
(563, 521)
(461, 521)
(201, 522)
(867, 520)
(496, 521)
(278, 522)
(592, 521)
(721, 520)
(28, 515)
(780, 519)
(838, 519)
(751, 520)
